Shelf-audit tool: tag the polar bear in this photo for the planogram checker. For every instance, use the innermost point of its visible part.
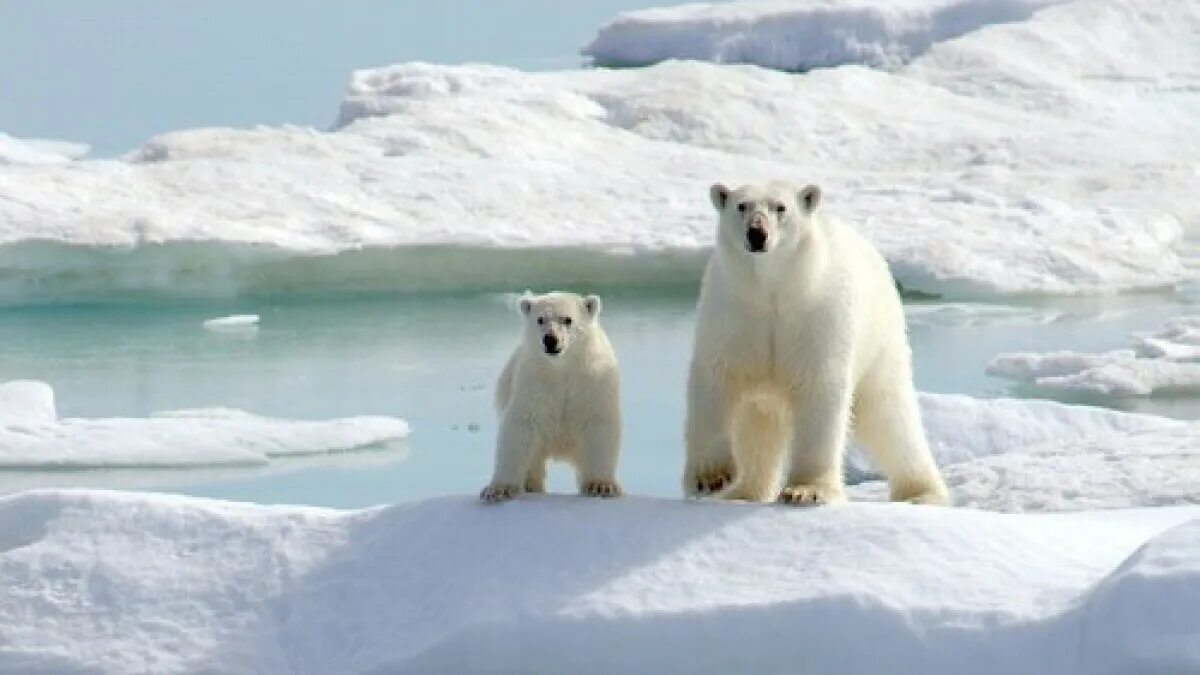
(799, 333)
(558, 398)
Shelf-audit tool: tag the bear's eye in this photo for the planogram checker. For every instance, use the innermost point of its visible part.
(779, 208)
(541, 321)
(742, 207)
(566, 321)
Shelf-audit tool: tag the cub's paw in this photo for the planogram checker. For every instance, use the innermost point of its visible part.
(605, 489)
(499, 492)
(811, 495)
(711, 482)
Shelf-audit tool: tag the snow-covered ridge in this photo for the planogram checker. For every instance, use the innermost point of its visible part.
(1022, 158)
(15, 151)
(33, 436)
(122, 582)
(795, 35)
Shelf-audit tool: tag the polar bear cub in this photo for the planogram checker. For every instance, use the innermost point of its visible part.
(558, 398)
(800, 337)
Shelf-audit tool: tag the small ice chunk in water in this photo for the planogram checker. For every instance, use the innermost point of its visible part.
(233, 322)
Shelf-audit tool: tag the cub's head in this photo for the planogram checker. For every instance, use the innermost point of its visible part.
(760, 220)
(554, 321)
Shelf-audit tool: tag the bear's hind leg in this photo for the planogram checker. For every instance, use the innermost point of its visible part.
(888, 423)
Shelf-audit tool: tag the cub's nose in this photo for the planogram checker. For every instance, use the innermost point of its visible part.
(550, 343)
(756, 239)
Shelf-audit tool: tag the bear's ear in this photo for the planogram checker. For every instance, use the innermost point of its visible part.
(592, 304)
(809, 197)
(525, 304)
(719, 194)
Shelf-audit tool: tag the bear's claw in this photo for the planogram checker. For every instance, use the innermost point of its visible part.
(494, 494)
(810, 495)
(712, 482)
(601, 488)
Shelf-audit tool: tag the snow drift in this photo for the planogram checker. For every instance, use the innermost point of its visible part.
(32, 436)
(1032, 157)
(16, 151)
(118, 582)
(796, 35)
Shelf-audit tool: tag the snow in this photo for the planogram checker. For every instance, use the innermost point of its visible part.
(1160, 363)
(32, 436)
(960, 427)
(797, 35)
(1077, 472)
(110, 582)
(1034, 157)
(23, 151)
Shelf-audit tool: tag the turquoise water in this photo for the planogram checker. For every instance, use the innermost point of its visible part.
(432, 361)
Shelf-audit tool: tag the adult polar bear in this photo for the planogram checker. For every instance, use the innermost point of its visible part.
(799, 331)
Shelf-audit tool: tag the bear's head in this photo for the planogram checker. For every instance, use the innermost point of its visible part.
(760, 220)
(554, 321)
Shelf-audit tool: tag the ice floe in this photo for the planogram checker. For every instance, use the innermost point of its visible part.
(32, 436)
(1029, 157)
(1163, 362)
(796, 35)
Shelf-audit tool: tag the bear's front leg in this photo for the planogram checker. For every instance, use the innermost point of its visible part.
(514, 449)
(600, 448)
(710, 467)
(821, 419)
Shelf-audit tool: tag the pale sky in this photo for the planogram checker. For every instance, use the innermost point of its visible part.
(112, 73)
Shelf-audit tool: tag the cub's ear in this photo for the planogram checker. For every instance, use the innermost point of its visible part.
(525, 304)
(719, 194)
(809, 196)
(592, 304)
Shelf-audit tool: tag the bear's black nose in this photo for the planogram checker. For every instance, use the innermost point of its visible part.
(550, 343)
(756, 239)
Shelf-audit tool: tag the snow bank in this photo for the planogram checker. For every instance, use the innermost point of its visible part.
(797, 35)
(1160, 363)
(1121, 469)
(120, 582)
(1023, 158)
(963, 428)
(33, 437)
(15, 151)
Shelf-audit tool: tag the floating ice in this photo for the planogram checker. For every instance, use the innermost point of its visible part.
(1159, 363)
(797, 35)
(32, 436)
(233, 322)
(120, 582)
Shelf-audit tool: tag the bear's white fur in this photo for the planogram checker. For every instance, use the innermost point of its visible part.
(800, 334)
(558, 398)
